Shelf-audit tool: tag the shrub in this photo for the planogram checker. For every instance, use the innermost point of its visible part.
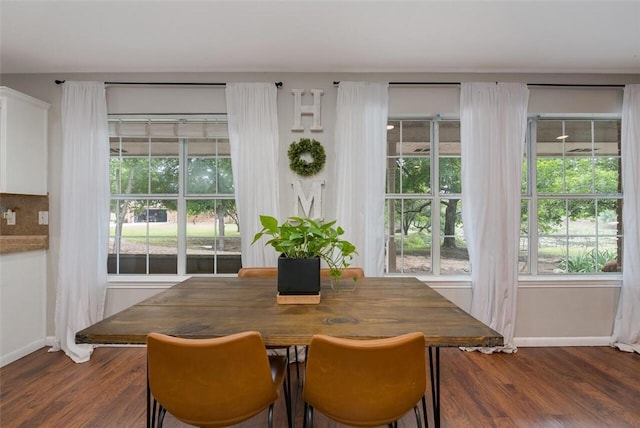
(588, 261)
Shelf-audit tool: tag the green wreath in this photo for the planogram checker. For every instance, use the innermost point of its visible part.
(301, 166)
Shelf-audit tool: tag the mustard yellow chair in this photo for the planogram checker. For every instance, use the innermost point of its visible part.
(268, 272)
(272, 272)
(365, 383)
(213, 382)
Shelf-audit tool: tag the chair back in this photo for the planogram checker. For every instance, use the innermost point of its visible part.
(258, 272)
(365, 382)
(272, 272)
(211, 382)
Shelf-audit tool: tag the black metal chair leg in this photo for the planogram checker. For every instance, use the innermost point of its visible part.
(304, 415)
(150, 422)
(287, 400)
(270, 417)
(153, 415)
(424, 411)
(308, 416)
(161, 414)
(417, 412)
(295, 349)
(434, 370)
(288, 365)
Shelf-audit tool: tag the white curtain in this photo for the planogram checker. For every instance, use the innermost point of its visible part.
(84, 215)
(360, 141)
(252, 112)
(493, 119)
(626, 330)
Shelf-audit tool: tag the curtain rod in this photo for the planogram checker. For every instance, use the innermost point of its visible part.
(416, 83)
(559, 85)
(60, 82)
(576, 85)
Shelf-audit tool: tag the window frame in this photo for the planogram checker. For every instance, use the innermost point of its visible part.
(435, 196)
(532, 197)
(181, 197)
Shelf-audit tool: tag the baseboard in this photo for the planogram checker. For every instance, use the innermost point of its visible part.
(562, 341)
(522, 342)
(22, 352)
(51, 340)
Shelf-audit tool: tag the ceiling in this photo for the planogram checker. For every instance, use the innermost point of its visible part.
(559, 36)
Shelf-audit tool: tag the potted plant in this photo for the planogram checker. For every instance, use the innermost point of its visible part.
(302, 244)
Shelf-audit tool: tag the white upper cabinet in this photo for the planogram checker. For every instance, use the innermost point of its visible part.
(23, 143)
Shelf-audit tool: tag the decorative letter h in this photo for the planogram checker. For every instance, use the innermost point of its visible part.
(313, 110)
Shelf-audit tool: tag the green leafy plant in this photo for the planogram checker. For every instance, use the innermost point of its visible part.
(588, 261)
(299, 237)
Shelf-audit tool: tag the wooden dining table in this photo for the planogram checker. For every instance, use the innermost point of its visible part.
(204, 307)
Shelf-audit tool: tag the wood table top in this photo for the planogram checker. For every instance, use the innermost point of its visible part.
(211, 307)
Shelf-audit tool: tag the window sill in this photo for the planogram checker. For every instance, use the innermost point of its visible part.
(448, 281)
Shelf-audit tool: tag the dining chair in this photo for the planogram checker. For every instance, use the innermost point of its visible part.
(213, 382)
(272, 272)
(268, 272)
(258, 272)
(365, 383)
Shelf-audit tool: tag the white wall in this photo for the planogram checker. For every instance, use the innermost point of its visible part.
(554, 312)
(22, 304)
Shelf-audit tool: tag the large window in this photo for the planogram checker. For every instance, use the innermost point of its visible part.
(172, 202)
(423, 219)
(575, 192)
(571, 198)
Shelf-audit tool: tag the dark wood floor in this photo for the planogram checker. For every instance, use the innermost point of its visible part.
(536, 387)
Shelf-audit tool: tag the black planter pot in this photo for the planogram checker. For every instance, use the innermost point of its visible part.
(298, 276)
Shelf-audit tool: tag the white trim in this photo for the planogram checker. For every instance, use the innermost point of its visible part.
(577, 116)
(50, 341)
(114, 279)
(445, 282)
(22, 352)
(23, 97)
(140, 286)
(157, 279)
(450, 287)
(124, 345)
(463, 279)
(572, 278)
(601, 281)
(562, 341)
(572, 285)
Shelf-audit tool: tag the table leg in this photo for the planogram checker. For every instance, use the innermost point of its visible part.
(434, 370)
(149, 423)
(291, 411)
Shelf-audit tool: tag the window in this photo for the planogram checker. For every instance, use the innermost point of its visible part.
(423, 203)
(575, 192)
(571, 195)
(172, 201)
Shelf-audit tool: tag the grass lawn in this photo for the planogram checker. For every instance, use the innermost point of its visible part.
(164, 230)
